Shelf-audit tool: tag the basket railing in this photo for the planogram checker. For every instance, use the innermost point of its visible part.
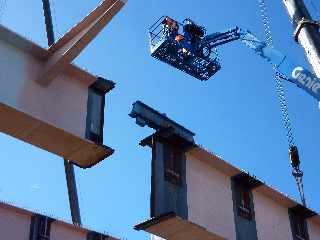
(157, 31)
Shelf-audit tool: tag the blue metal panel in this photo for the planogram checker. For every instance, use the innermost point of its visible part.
(165, 196)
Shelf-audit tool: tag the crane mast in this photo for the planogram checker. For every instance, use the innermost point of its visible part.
(306, 31)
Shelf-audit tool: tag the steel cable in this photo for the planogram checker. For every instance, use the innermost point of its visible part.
(296, 172)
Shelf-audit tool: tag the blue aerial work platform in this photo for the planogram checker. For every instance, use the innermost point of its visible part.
(187, 48)
(171, 44)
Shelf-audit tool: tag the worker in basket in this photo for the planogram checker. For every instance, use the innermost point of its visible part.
(192, 30)
(190, 42)
(170, 27)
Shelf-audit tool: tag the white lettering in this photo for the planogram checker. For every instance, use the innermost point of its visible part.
(311, 83)
(301, 78)
(316, 88)
(296, 72)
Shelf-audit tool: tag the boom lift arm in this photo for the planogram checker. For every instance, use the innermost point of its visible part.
(298, 75)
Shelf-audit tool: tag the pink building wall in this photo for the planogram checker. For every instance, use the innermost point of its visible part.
(52, 117)
(272, 219)
(62, 104)
(210, 198)
(314, 229)
(210, 203)
(14, 225)
(61, 231)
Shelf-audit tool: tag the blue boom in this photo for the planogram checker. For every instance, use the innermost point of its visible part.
(187, 48)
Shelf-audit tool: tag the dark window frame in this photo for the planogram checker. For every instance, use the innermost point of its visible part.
(244, 203)
(242, 186)
(93, 136)
(173, 157)
(97, 236)
(40, 227)
(299, 225)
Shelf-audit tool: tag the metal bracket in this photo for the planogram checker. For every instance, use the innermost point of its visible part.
(302, 23)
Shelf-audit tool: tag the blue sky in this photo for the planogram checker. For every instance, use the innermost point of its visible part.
(235, 114)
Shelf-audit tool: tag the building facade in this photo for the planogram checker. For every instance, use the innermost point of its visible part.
(20, 224)
(197, 195)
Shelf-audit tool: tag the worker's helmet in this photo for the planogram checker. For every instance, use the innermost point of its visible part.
(168, 21)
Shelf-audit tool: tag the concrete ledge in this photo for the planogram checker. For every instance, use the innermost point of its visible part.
(81, 152)
(171, 227)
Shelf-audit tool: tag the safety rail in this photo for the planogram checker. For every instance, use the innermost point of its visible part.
(157, 31)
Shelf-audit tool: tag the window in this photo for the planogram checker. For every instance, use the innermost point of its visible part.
(298, 226)
(95, 116)
(244, 203)
(96, 236)
(172, 164)
(40, 227)
(44, 229)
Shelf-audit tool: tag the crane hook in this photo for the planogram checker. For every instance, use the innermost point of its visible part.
(294, 157)
(296, 171)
